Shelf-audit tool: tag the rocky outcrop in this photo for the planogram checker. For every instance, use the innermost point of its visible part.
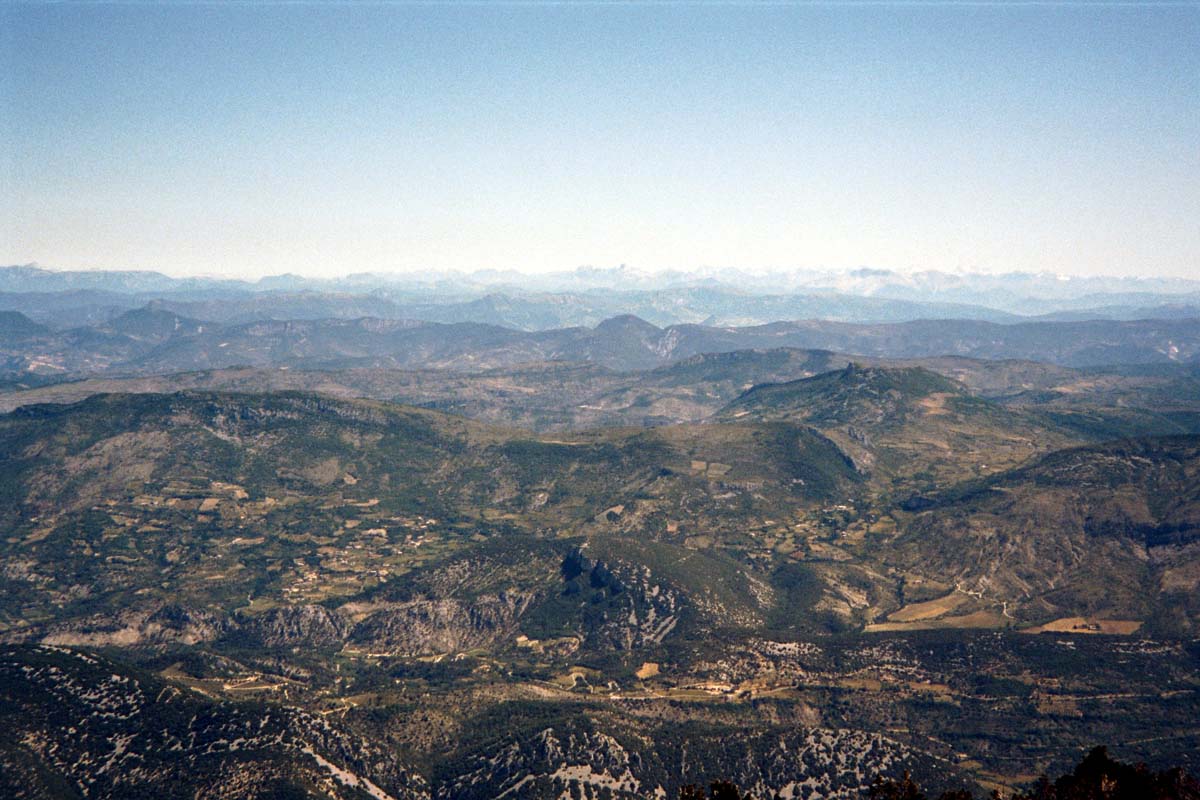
(308, 626)
(553, 763)
(445, 625)
(84, 726)
(586, 763)
(168, 624)
(627, 606)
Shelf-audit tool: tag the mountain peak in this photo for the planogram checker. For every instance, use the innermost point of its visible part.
(844, 394)
(624, 323)
(14, 324)
(153, 321)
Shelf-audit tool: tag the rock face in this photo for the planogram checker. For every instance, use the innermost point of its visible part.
(168, 624)
(298, 626)
(627, 608)
(78, 725)
(588, 763)
(550, 764)
(430, 626)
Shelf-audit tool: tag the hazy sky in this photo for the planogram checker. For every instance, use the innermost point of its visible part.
(327, 138)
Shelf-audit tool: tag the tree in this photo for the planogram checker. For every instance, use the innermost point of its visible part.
(891, 789)
(724, 790)
(1098, 777)
(717, 790)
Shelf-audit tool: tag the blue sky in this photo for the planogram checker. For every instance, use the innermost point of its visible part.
(317, 138)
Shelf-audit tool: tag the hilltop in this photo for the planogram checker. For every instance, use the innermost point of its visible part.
(903, 426)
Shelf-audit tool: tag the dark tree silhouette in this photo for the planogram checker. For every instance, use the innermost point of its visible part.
(1098, 777)
(717, 790)
(890, 789)
(724, 790)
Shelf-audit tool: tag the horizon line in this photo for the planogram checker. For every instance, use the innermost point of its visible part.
(697, 272)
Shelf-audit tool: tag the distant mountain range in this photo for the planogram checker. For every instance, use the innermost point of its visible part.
(587, 297)
(153, 340)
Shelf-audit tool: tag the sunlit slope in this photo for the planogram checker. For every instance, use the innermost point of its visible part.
(1084, 535)
(905, 427)
(223, 503)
